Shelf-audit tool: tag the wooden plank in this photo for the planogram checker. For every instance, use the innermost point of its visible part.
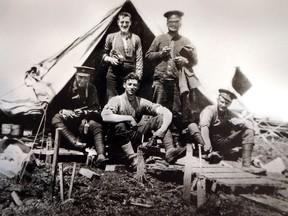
(72, 180)
(196, 165)
(141, 204)
(110, 168)
(48, 159)
(196, 162)
(201, 191)
(233, 175)
(245, 182)
(216, 170)
(196, 169)
(140, 173)
(60, 165)
(201, 184)
(88, 173)
(62, 151)
(187, 174)
(55, 159)
(276, 204)
(16, 198)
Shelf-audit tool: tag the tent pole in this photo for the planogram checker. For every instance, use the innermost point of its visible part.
(41, 122)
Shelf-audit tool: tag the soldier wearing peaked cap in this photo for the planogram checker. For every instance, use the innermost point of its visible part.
(84, 70)
(224, 135)
(80, 117)
(176, 14)
(164, 53)
(227, 95)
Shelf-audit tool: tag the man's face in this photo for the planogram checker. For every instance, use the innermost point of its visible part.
(174, 23)
(223, 104)
(124, 23)
(82, 80)
(131, 86)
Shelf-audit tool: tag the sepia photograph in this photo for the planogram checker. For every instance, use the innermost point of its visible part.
(154, 107)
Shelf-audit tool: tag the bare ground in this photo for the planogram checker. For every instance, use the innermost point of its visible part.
(119, 193)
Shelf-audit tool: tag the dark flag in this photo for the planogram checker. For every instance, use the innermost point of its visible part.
(240, 82)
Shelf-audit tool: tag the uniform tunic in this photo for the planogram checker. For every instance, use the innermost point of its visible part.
(76, 98)
(166, 75)
(165, 67)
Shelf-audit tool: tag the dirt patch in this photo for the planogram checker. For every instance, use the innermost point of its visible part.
(119, 193)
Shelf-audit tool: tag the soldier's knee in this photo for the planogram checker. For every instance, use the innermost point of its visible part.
(93, 125)
(248, 136)
(249, 132)
(56, 120)
(120, 127)
(193, 128)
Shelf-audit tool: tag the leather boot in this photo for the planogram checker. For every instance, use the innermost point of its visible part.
(70, 137)
(246, 160)
(67, 134)
(131, 155)
(197, 139)
(57, 122)
(98, 140)
(196, 135)
(172, 153)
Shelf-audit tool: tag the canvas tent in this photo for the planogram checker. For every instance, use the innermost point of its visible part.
(44, 82)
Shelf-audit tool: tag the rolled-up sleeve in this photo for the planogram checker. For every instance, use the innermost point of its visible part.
(149, 108)
(112, 107)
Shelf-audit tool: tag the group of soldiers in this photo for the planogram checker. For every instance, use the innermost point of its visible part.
(83, 121)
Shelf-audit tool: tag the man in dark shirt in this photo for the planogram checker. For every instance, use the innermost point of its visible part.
(165, 54)
(79, 117)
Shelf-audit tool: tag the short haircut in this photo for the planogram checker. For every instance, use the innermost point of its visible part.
(129, 76)
(125, 14)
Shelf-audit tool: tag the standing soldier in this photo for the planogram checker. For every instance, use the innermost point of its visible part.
(123, 53)
(165, 53)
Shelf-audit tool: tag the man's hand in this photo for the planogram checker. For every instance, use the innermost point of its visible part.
(237, 122)
(180, 60)
(67, 113)
(113, 61)
(78, 112)
(165, 51)
(159, 133)
(132, 122)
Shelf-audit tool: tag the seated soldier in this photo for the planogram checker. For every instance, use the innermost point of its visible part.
(224, 133)
(80, 114)
(124, 113)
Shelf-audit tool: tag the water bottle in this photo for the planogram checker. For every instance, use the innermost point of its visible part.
(49, 142)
